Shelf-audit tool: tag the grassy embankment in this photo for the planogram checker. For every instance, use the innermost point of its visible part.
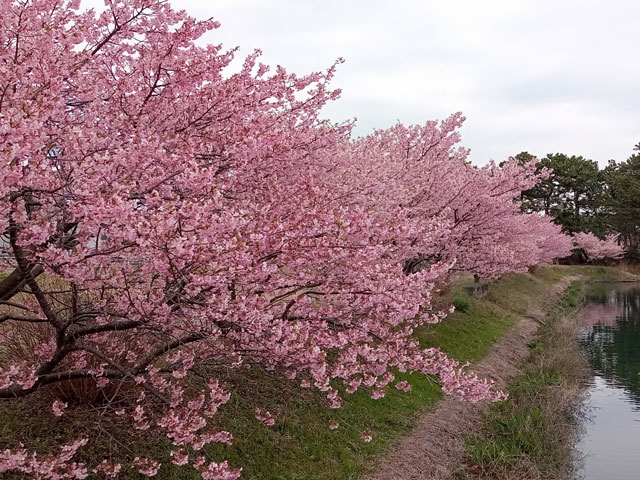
(300, 445)
(531, 434)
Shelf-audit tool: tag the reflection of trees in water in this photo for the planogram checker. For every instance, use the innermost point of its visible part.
(601, 314)
(613, 347)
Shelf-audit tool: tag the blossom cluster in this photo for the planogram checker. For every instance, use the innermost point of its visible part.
(598, 249)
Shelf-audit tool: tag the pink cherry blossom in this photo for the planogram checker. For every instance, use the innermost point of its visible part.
(146, 466)
(265, 417)
(220, 471)
(58, 408)
(179, 457)
(404, 386)
(597, 249)
(110, 470)
(58, 466)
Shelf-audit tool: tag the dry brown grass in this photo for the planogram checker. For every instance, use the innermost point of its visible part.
(27, 337)
(628, 266)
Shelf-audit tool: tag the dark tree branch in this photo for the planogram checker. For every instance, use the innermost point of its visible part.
(16, 281)
(108, 327)
(26, 268)
(21, 318)
(166, 348)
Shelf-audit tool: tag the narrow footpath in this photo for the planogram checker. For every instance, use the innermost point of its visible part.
(435, 448)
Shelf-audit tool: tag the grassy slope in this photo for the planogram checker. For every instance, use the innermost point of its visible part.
(300, 445)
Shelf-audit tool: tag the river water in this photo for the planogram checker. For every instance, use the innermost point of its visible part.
(610, 443)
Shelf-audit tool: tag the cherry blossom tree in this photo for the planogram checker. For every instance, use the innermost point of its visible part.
(162, 216)
(597, 249)
(449, 210)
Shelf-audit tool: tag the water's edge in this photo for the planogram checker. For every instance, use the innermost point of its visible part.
(610, 339)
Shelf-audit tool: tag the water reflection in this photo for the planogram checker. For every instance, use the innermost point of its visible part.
(612, 337)
(611, 340)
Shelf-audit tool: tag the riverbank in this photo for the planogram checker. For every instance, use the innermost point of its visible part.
(300, 444)
(532, 434)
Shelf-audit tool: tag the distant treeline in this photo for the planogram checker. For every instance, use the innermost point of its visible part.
(581, 197)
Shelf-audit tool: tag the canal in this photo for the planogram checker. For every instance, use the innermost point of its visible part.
(609, 446)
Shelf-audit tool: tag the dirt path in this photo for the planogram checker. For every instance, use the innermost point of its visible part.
(435, 447)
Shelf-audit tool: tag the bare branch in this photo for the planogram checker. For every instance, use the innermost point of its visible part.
(21, 318)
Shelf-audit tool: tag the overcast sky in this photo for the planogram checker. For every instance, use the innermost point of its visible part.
(542, 76)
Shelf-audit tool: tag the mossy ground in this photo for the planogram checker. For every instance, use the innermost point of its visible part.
(300, 446)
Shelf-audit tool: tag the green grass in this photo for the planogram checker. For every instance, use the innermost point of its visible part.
(462, 302)
(531, 430)
(300, 446)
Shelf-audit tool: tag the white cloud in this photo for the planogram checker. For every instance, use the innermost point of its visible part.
(542, 76)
